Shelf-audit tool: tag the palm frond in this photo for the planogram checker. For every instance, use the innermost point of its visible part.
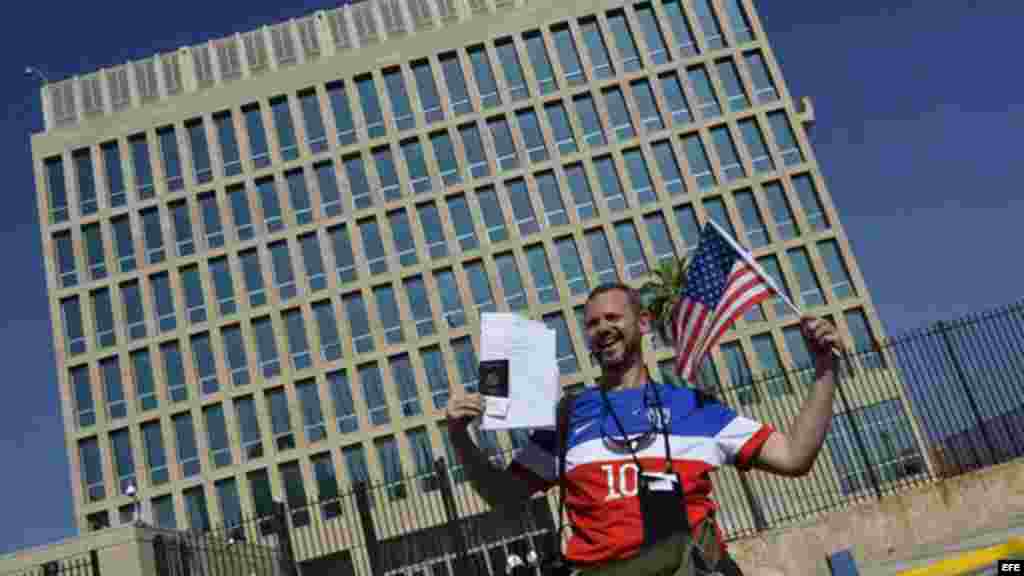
(660, 292)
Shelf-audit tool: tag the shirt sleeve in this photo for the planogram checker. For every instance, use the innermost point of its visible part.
(738, 437)
(536, 464)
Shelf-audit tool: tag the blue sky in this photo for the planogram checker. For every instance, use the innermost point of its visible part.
(919, 118)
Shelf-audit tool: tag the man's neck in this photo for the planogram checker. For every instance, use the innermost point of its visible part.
(633, 377)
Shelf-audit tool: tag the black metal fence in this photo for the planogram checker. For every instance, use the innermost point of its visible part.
(86, 564)
(932, 404)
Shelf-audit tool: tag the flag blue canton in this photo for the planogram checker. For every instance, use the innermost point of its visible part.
(709, 272)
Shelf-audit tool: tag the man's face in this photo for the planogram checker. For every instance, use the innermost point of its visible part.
(614, 331)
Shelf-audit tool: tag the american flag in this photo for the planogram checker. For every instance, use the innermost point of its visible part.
(721, 285)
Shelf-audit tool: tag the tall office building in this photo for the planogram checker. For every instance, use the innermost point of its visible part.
(267, 254)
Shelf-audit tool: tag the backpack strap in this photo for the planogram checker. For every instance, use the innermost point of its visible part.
(562, 434)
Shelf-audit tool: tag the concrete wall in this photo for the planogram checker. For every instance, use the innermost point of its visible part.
(892, 528)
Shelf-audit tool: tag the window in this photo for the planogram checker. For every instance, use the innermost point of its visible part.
(709, 24)
(423, 458)
(206, 365)
(284, 275)
(540, 62)
(466, 361)
(210, 213)
(601, 257)
(404, 379)
(228, 143)
(668, 167)
(764, 87)
(113, 388)
(174, 371)
(185, 439)
(776, 382)
(892, 451)
(715, 208)
(770, 265)
(271, 205)
(312, 414)
(797, 347)
(504, 145)
(327, 182)
(230, 504)
(259, 488)
(373, 394)
(437, 375)
(57, 189)
(419, 304)
(807, 192)
(656, 50)
(64, 251)
(124, 243)
(152, 231)
(455, 80)
(426, 88)
(103, 316)
(344, 122)
(462, 218)
(201, 168)
(113, 174)
(700, 166)
(143, 169)
(838, 274)
(786, 226)
(757, 235)
(217, 435)
(156, 456)
(608, 177)
(572, 266)
(473, 146)
(390, 318)
(134, 316)
(81, 386)
(316, 135)
(163, 512)
(522, 207)
(313, 261)
(589, 120)
(91, 464)
(326, 485)
(618, 114)
(739, 374)
(564, 351)
(735, 94)
(416, 164)
(647, 106)
(540, 269)
(657, 232)
(632, 249)
(512, 69)
(624, 42)
(707, 104)
(511, 281)
(444, 153)
(810, 289)
(600, 60)
(298, 343)
(87, 203)
(358, 183)
(223, 286)
(195, 508)
(401, 107)
(561, 127)
(789, 149)
(248, 428)
(639, 176)
(94, 251)
(344, 408)
(344, 258)
(266, 348)
(280, 420)
(355, 462)
(533, 139)
(480, 287)
(241, 213)
(373, 246)
(285, 127)
(455, 470)
(370, 104)
(299, 196)
(486, 84)
(754, 140)
(391, 466)
(551, 197)
(738, 21)
(163, 299)
(184, 242)
(452, 308)
(359, 322)
(864, 343)
(195, 304)
(494, 216)
(169, 155)
(674, 96)
(235, 355)
(433, 231)
(568, 55)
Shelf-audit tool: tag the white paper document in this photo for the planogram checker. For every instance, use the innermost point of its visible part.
(524, 350)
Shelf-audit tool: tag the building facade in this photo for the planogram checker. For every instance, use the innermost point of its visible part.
(267, 254)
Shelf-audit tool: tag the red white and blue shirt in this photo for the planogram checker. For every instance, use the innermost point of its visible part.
(601, 475)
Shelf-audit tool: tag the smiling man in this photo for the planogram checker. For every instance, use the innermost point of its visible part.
(639, 453)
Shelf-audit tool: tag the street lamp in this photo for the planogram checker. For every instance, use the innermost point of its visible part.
(131, 492)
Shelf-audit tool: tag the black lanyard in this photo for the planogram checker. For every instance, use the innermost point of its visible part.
(661, 422)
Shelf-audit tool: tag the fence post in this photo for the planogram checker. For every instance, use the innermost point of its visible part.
(854, 428)
(760, 524)
(94, 562)
(944, 329)
(160, 555)
(369, 528)
(451, 514)
(284, 538)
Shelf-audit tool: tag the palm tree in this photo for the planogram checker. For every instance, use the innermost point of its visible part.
(660, 292)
